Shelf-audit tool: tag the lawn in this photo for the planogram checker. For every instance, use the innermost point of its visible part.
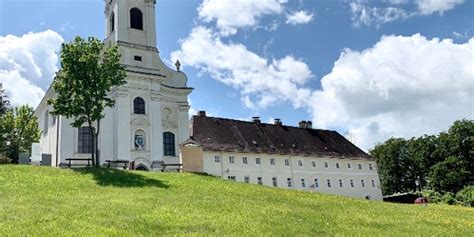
(42, 201)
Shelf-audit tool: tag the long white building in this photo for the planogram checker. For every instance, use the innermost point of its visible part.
(150, 117)
(280, 156)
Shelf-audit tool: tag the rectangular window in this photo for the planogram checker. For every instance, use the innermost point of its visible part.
(168, 144)
(373, 183)
(360, 166)
(352, 183)
(329, 183)
(217, 159)
(246, 179)
(303, 183)
(259, 180)
(313, 163)
(287, 162)
(326, 165)
(340, 183)
(244, 160)
(300, 163)
(337, 165)
(316, 183)
(349, 166)
(290, 183)
(274, 181)
(137, 58)
(272, 161)
(84, 140)
(362, 183)
(232, 178)
(257, 161)
(231, 159)
(370, 167)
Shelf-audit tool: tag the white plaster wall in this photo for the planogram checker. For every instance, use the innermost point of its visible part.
(265, 170)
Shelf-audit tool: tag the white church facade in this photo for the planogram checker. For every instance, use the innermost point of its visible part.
(150, 116)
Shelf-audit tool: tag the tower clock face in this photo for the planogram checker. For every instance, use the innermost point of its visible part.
(139, 140)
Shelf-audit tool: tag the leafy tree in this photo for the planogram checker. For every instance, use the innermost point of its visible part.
(4, 102)
(396, 169)
(19, 130)
(88, 72)
(450, 175)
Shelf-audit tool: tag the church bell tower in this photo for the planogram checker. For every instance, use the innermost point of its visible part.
(131, 25)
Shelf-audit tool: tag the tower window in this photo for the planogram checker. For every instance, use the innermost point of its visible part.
(112, 22)
(168, 144)
(137, 58)
(139, 106)
(136, 19)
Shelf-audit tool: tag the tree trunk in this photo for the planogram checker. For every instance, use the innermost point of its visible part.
(97, 143)
(93, 142)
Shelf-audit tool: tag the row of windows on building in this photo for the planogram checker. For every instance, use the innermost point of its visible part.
(304, 184)
(258, 161)
(85, 145)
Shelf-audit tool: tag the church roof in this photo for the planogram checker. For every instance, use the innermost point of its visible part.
(221, 134)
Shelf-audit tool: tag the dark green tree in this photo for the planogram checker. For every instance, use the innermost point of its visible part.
(396, 168)
(450, 175)
(19, 129)
(89, 71)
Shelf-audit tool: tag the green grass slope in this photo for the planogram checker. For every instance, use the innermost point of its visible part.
(42, 201)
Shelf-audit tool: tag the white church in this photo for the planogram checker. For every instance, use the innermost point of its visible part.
(149, 127)
(150, 117)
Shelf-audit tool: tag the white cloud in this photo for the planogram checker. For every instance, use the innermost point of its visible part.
(231, 15)
(427, 7)
(403, 86)
(363, 13)
(262, 82)
(299, 17)
(27, 64)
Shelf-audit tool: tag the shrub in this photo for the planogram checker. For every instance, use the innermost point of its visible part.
(466, 196)
(433, 196)
(448, 198)
(4, 160)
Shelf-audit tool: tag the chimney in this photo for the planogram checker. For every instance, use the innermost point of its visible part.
(303, 124)
(277, 121)
(256, 119)
(309, 124)
(201, 113)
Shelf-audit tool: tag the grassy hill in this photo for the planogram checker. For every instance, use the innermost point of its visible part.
(47, 201)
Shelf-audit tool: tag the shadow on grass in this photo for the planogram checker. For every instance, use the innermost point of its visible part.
(121, 178)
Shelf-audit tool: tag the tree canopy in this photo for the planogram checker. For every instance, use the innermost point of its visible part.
(443, 163)
(89, 71)
(19, 130)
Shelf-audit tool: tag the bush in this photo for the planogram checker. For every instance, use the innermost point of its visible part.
(433, 196)
(466, 196)
(448, 198)
(4, 160)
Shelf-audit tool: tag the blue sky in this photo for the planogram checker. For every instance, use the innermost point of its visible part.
(358, 49)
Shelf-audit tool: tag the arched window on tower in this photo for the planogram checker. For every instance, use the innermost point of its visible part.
(136, 19)
(169, 144)
(112, 22)
(139, 106)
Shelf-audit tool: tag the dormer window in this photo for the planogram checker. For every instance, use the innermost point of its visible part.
(136, 19)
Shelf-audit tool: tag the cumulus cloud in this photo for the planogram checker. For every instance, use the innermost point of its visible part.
(28, 64)
(262, 82)
(403, 86)
(231, 15)
(299, 17)
(363, 13)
